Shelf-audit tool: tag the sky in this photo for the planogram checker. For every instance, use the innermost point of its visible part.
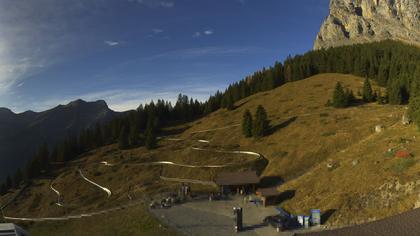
(129, 52)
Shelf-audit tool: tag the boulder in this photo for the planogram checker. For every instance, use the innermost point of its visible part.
(405, 120)
(379, 128)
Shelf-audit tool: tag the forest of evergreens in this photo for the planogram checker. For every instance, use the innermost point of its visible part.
(393, 65)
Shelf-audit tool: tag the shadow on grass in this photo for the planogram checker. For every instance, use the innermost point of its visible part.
(326, 215)
(271, 181)
(240, 105)
(174, 131)
(284, 196)
(282, 125)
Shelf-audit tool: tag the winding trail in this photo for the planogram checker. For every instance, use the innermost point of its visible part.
(58, 203)
(108, 192)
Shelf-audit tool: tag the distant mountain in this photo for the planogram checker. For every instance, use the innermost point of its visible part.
(362, 21)
(21, 134)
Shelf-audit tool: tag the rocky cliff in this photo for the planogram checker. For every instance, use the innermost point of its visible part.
(361, 21)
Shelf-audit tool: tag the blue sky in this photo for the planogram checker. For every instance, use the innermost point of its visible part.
(128, 52)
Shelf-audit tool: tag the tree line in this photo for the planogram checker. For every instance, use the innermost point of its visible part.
(391, 64)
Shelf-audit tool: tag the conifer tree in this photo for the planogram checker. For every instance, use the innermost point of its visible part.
(43, 157)
(260, 125)
(150, 139)
(3, 189)
(123, 138)
(99, 140)
(150, 135)
(414, 103)
(247, 124)
(394, 93)
(9, 183)
(367, 92)
(339, 99)
(17, 178)
(134, 135)
(414, 109)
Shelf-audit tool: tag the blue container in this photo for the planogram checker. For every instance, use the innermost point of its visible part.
(316, 217)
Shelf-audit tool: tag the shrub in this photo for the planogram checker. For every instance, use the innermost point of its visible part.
(402, 165)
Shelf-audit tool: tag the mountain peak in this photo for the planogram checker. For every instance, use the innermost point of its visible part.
(4, 110)
(361, 21)
(81, 102)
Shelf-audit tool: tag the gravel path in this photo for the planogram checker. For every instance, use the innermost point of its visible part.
(204, 218)
(198, 223)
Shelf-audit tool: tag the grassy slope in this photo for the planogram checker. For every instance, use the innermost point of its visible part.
(366, 183)
(305, 135)
(133, 221)
(305, 131)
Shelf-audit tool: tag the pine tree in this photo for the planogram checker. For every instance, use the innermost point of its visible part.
(394, 93)
(367, 92)
(247, 124)
(99, 140)
(414, 109)
(43, 157)
(123, 138)
(260, 125)
(350, 98)
(9, 183)
(17, 178)
(339, 99)
(150, 139)
(134, 135)
(3, 189)
(414, 103)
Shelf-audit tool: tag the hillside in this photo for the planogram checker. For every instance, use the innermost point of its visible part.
(21, 134)
(305, 135)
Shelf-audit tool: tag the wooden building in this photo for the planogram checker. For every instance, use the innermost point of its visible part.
(268, 195)
(239, 182)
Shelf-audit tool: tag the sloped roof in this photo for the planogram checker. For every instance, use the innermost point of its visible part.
(268, 192)
(237, 178)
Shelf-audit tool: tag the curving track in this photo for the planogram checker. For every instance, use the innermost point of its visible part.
(109, 193)
(58, 203)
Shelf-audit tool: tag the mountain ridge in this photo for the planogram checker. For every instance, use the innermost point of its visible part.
(22, 133)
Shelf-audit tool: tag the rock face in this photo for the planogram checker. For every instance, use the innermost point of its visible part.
(361, 21)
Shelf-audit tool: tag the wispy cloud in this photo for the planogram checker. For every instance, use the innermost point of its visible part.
(167, 4)
(207, 32)
(155, 3)
(34, 35)
(112, 43)
(191, 53)
(157, 31)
